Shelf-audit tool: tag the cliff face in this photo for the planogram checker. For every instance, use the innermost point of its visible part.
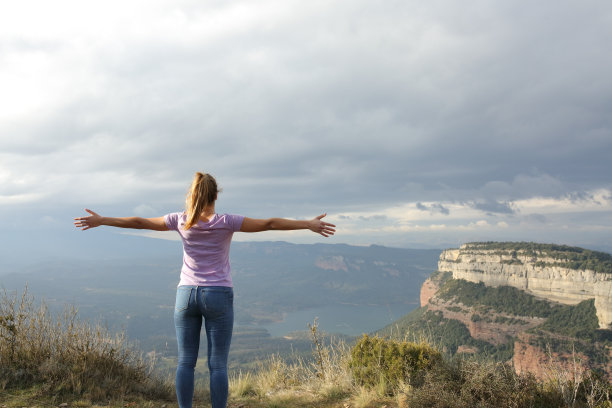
(537, 273)
(541, 363)
(490, 331)
(428, 290)
(545, 364)
(541, 307)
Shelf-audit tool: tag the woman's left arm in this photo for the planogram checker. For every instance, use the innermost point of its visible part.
(315, 225)
(95, 220)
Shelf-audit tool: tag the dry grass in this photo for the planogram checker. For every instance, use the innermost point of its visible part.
(324, 381)
(576, 384)
(62, 355)
(327, 382)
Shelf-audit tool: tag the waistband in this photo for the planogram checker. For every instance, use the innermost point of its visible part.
(208, 288)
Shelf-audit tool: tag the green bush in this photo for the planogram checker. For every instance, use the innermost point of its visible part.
(578, 321)
(501, 299)
(375, 360)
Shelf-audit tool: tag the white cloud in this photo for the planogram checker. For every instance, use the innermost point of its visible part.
(464, 218)
(15, 199)
(594, 201)
(144, 210)
(478, 224)
(165, 235)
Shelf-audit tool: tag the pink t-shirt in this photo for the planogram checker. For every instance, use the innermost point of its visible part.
(206, 247)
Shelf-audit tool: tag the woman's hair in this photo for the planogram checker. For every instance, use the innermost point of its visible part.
(202, 193)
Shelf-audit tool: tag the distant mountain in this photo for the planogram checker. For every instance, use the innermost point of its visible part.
(272, 280)
(519, 302)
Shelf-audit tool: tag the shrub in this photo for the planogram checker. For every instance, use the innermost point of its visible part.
(375, 360)
(501, 299)
(468, 384)
(66, 356)
(576, 321)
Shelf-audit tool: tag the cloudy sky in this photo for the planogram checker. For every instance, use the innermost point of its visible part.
(412, 123)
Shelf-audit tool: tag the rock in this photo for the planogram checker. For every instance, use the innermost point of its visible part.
(539, 275)
(428, 289)
(548, 365)
(334, 263)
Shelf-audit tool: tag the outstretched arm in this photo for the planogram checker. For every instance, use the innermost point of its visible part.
(95, 220)
(315, 225)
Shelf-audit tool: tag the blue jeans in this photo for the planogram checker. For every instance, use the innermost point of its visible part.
(216, 305)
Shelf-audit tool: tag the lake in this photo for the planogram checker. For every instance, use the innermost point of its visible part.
(351, 320)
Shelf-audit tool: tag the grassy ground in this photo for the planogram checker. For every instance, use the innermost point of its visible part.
(286, 398)
(62, 362)
(32, 397)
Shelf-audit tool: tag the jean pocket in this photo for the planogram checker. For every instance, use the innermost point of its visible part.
(218, 301)
(183, 295)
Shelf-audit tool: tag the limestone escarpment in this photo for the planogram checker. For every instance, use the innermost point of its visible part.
(531, 305)
(543, 271)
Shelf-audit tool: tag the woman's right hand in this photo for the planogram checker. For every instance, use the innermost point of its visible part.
(321, 227)
(91, 221)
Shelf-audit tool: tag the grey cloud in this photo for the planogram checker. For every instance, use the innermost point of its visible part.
(538, 218)
(523, 186)
(495, 207)
(346, 107)
(433, 208)
(577, 196)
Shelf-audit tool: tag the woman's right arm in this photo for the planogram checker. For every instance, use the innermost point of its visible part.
(95, 220)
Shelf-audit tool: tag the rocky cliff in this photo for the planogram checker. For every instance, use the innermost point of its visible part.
(556, 273)
(536, 306)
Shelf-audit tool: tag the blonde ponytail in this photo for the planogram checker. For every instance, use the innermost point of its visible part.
(202, 193)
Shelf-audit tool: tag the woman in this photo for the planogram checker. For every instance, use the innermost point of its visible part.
(205, 287)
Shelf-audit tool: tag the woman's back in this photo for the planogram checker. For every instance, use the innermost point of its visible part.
(206, 247)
